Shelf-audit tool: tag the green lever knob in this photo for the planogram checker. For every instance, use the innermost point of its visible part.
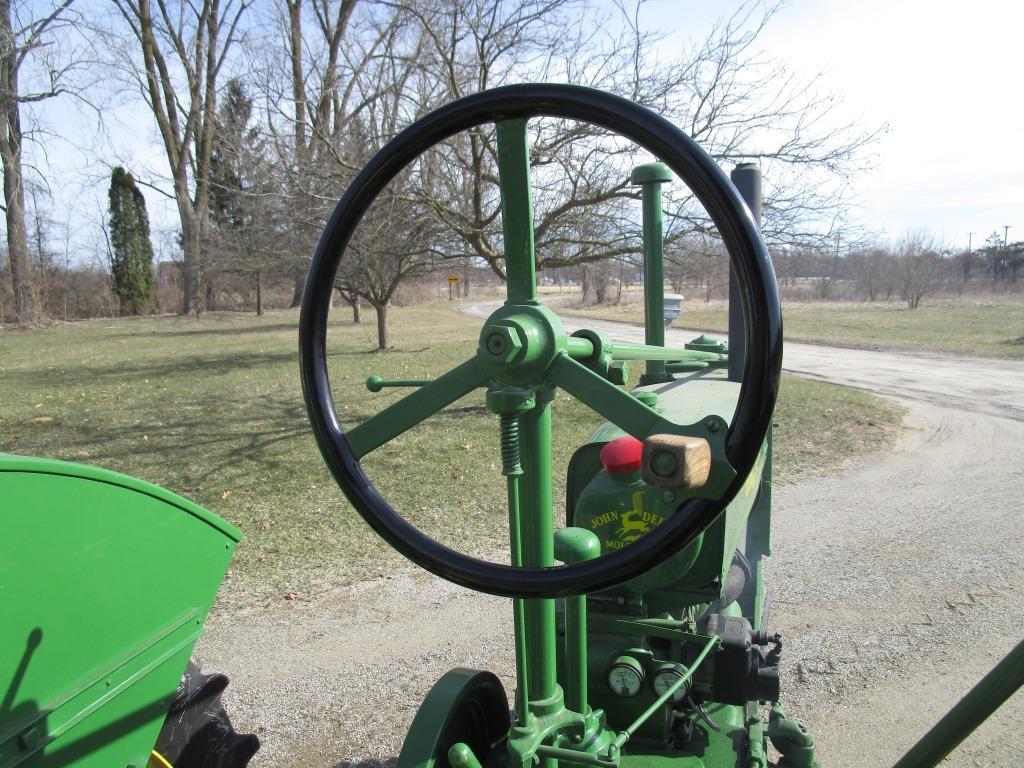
(376, 383)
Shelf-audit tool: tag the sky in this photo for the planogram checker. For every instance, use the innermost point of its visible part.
(942, 76)
(946, 79)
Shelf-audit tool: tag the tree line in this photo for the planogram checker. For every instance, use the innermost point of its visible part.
(266, 109)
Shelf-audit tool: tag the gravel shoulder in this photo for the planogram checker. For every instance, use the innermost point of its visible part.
(897, 583)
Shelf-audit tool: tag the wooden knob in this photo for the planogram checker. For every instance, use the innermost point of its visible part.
(676, 461)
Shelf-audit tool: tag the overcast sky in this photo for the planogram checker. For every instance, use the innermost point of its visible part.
(944, 76)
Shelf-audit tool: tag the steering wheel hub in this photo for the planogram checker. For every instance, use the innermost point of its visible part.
(520, 342)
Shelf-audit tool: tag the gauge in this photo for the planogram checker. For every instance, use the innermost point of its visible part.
(626, 676)
(665, 677)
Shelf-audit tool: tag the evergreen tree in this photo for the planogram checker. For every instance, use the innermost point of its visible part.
(242, 215)
(132, 258)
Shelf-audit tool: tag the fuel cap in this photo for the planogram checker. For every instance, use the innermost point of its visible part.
(622, 455)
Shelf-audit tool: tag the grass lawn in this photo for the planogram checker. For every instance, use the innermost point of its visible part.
(211, 408)
(981, 330)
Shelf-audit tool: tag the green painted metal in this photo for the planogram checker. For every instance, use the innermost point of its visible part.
(576, 545)
(571, 756)
(537, 522)
(991, 692)
(650, 177)
(625, 351)
(461, 756)
(792, 740)
(417, 406)
(106, 582)
(705, 343)
(519, 343)
(639, 420)
(650, 624)
(517, 211)
(508, 403)
(619, 509)
(376, 383)
(466, 706)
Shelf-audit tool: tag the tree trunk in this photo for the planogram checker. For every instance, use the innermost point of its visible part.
(382, 325)
(300, 285)
(586, 284)
(259, 295)
(356, 319)
(465, 277)
(17, 243)
(14, 190)
(191, 297)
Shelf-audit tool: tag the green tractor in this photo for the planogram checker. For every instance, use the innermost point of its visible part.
(648, 647)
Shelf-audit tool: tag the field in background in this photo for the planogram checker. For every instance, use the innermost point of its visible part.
(979, 329)
(211, 408)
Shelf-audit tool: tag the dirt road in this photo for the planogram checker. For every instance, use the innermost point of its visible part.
(897, 583)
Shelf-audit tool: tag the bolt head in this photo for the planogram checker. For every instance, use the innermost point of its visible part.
(501, 343)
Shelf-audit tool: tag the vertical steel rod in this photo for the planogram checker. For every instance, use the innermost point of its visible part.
(537, 523)
(517, 211)
(518, 621)
(650, 177)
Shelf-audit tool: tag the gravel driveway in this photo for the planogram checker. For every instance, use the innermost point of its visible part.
(897, 583)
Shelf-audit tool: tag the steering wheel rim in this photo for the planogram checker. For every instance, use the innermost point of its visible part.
(758, 291)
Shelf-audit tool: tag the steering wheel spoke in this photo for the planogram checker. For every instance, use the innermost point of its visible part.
(620, 408)
(406, 413)
(644, 423)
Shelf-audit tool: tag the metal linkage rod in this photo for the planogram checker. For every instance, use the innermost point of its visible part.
(643, 352)
(581, 349)
(1005, 679)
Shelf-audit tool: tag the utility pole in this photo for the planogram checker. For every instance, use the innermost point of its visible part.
(970, 239)
(1006, 232)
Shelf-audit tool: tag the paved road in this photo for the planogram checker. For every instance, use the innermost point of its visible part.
(897, 583)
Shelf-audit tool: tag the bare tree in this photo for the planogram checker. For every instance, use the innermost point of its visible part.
(873, 270)
(738, 103)
(397, 238)
(193, 39)
(472, 45)
(920, 268)
(24, 35)
(315, 82)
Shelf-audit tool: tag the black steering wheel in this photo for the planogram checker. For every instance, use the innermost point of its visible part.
(739, 447)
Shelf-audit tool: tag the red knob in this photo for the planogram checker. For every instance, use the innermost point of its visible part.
(622, 455)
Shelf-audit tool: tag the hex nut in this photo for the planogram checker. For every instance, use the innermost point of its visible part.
(502, 343)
